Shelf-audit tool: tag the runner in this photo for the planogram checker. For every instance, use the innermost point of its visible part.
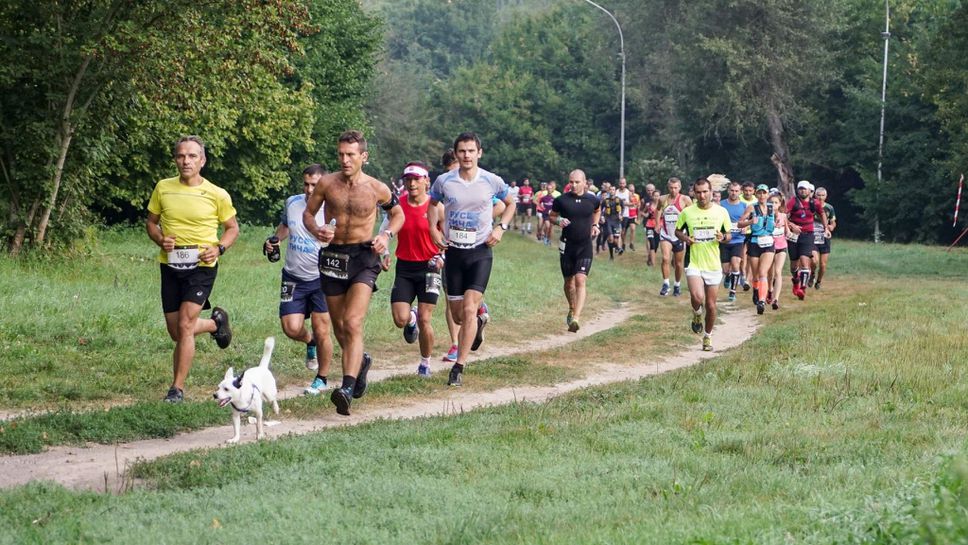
(418, 266)
(351, 262)
(800, 211)
(514, 192)
(703, 226)
(625, 195)
(577, 212)
(611, 210)
(545, 200)
(822, 235)
(761, 218)
(671, 246)
(780, 233)
(301, 295)
(467, 195)
(628, 226)
(731, 250)
(649, 222)
(525, 194)
(748, 198)
(184, 214)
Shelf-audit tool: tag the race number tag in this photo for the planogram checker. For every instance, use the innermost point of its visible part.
(735, 232)
(561, 247)
(764, 241)
(818, 237)
(671, 219)
(334, 265)
(778, 232)
(432, 283)
(704, 235)
(793, 237)
(462, 238)
(287, 291)
(183, 257)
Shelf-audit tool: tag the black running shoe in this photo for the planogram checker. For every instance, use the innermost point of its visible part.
(760, 307)
(816, 286)
(411, 332)
(174, 395)
(479, 338)
(359, 390)
(223, 332)
(454, 378)
(342, 398)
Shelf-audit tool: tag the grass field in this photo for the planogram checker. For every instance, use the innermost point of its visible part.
(843, 420)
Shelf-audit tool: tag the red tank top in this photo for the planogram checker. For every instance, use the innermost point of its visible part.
(414, 242)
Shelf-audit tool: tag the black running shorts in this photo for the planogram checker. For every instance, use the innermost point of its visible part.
(825, 247)
(467, 269)
(178, 286)
(677, 245)
(653, 236)
(575, 258)
(804, 246)
(342, 265)
(755, 250)
(410, 282)
(728, 251)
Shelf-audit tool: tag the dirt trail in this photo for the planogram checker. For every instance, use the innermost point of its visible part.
(102, 467)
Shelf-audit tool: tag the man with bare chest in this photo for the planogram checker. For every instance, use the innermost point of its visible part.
(350, 261)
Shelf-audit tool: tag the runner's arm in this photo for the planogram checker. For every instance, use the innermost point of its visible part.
(381, 243)
(435, 217)
(313, 204)
(230, 232)
(153, 226)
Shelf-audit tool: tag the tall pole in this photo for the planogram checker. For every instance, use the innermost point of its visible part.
(880, 146)
(621, 41)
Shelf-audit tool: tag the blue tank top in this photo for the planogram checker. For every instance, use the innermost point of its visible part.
(764, 224)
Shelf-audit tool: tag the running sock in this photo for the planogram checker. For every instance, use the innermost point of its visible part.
(459, 367)
(424, 360)
(734, 280)
(413, 319)
(697, 311)
(665, 281)
(322, 377)
(707, 334)
(611, 249)
(676, 284)
(804, 277)
(763, 289)
(312, 342)
(349, 382)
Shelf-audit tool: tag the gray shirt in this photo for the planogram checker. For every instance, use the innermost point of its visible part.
(468, 206)
(302, 253)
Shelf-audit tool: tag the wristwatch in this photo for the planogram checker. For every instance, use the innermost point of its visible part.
(505, 227)
(389, 234)
(221, 249)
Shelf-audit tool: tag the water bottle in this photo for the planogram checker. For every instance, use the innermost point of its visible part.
(332, 224)
(273, 254)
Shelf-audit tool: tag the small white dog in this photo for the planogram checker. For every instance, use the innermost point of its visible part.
(247, 391)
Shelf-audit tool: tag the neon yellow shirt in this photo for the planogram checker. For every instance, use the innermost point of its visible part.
(702, 225)
(747, 230)
(191, 213)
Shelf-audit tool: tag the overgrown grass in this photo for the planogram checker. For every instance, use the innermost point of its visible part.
(835, 424)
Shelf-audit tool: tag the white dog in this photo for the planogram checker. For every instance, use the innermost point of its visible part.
(247, 391)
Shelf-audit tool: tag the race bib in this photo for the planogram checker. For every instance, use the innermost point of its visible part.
(778, 232)
(793, 237)
(818, 237)
(764, 241)
(287, 291)
(334, 265)
(526, 199)
(671, 219)
(462, 238)
(704, 235)
(183, 257)
(561, 247)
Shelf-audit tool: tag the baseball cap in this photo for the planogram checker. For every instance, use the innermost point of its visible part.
(415, 170)
(762, 187)
(774, 191)
(803, 183)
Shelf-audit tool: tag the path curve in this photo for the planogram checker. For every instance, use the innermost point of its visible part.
(103, 467)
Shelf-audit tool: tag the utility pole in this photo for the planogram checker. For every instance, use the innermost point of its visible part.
(880, 146)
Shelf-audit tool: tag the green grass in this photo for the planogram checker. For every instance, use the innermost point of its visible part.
(844, 421)
(96, 340)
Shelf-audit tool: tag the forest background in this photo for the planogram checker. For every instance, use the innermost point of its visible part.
(93, 93)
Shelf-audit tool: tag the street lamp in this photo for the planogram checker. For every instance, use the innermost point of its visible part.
(621, 40)
(880, 145)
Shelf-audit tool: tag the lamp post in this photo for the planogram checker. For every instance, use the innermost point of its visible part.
(880, 146)
(621, 40)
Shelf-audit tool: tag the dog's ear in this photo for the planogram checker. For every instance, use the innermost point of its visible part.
(238, 381)
(229, 373)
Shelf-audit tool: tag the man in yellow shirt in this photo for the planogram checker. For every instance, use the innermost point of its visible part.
(184, 214)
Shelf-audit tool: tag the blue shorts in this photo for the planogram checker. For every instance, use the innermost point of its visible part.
(300, 296)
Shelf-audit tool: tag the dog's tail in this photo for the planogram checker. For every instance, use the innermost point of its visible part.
(267, 352)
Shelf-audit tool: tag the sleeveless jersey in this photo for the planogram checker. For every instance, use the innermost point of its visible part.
(415, 243)
(670, 215)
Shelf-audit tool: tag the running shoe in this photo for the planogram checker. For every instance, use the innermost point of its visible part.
(816, 285)
(769, 296)
(631, 246)
(316, 387)
(746, 285)
(312, 363)
(776, 304)
(731, 297)
(760, 307)
(423, 371)
(483, 310)
(411, 331)
(454, 378)
(676, 291)
(451, 355)
(568, 319)
(360, 389)
(482, 320)
(696, 323)
(175, 395)
(665, 290)
(574, 326)
(799, 292)
(707, 344)
(810, 281)
(223, 332)
(342, 398)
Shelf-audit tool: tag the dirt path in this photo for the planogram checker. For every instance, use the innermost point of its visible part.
(102, 467)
